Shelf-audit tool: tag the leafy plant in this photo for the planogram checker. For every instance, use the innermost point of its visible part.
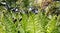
(17, 22)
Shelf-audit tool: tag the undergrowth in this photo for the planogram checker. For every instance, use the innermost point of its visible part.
(15, 22)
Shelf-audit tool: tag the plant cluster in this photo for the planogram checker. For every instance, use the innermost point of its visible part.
(22, 16)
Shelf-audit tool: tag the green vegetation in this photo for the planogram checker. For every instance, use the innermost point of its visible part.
(28, 22)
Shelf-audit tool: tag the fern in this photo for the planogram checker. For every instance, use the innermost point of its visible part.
(31, 23)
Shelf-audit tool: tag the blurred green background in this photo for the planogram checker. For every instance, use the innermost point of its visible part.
(25, 21)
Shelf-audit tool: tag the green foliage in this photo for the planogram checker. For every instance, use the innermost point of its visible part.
(53, 8)
(30, 23)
